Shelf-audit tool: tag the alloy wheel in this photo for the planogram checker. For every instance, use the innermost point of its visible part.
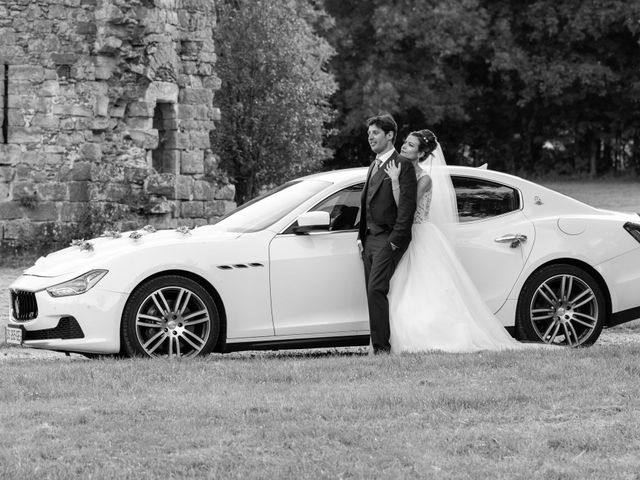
(172, 321)
(564, 310)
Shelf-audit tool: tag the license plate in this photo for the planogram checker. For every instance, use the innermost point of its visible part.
(13, 335)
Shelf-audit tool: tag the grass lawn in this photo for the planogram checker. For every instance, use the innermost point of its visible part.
(623, 196)
(550, 413)
(545, 414)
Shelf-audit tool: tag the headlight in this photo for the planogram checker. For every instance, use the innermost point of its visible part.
(78, 285)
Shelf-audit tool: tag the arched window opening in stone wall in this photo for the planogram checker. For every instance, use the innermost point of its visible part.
(164, 159)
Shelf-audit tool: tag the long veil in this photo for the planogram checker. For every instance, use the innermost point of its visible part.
(444, 210)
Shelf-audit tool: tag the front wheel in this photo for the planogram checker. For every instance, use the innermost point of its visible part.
(561, 305)
(169, 316)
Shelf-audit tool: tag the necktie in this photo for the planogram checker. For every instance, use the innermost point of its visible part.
(376, 166)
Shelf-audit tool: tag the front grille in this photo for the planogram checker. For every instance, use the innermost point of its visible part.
(66, 329)
(24, 305)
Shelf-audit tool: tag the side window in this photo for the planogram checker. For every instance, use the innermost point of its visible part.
(479, 199)
(343, 208)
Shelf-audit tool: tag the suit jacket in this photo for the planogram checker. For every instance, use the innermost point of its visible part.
(377, 200)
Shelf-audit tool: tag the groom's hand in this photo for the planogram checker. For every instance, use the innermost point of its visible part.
(393, 247)
(360, 247)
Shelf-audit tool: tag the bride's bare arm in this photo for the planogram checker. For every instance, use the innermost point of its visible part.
(424, 185)
(393, 170)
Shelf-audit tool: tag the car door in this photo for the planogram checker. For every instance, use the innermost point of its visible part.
(494, 238)
(317, 279)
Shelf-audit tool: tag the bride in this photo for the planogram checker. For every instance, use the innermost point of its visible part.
(433, 304)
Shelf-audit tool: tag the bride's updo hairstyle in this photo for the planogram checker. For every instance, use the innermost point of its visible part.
(428, 142)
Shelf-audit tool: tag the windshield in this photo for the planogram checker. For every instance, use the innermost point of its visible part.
(270, 207)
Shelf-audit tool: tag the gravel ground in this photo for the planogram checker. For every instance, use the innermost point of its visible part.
(624, 334)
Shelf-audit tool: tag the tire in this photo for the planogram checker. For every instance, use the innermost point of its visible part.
(561, 305)
(169, 316)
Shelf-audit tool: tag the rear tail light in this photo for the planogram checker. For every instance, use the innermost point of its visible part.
(633, 229)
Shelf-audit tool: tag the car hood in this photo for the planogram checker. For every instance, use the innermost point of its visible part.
(84, 255)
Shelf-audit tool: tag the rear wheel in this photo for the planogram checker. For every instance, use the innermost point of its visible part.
(562, 305)
(170, 316)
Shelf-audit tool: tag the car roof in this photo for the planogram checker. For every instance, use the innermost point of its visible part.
(358, 173)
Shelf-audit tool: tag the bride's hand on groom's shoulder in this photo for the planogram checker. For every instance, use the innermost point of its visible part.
(393, 170)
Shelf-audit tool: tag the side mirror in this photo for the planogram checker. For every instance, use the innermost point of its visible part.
(312, 222)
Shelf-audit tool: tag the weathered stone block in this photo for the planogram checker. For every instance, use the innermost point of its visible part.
(72, 211)
(16, 118)
(117, 111)
(140, 109)
(225, 192)
(203, 190)
(48, 122)
(27, 73)
(86, 28)
(118, 192)
(215, 208)
(165, 92)
(136, 175)
(199, 140)
(192, 162)
(24, 190)
(163, 184)
(81, 171)
(4, 191)
(11, 211)
(211, 162)
(49, 88)
(73, 110)
(90, 152)
(143, 139)
(140, 123)
(23, 171)
(52, 192)
(79, 191)
(42, 212)
(25, 135)
(176, 140)
(7, 174)
(101, 123)
(64, 58)
(184, 187)
(107, 172)
(192, 209)
(101, 106)
(216, 114)
(193, 96)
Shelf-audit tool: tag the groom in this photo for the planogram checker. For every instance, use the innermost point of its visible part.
(385, 229)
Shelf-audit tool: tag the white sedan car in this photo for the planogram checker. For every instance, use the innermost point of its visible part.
(283, 271)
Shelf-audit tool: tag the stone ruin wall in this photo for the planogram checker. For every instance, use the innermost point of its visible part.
(107, 107)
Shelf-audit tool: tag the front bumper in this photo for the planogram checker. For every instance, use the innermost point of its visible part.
(86, 323)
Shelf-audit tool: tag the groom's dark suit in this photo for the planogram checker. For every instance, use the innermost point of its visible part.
(385, 233)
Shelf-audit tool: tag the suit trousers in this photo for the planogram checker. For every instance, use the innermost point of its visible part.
(380, 261)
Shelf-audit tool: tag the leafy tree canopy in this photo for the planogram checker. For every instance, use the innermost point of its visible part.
(275, 91)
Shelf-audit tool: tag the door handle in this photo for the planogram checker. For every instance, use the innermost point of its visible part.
(513, 240)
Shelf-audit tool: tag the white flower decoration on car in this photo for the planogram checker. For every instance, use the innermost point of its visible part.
(83, 244)
(135, 235)
(184, 230)
(149, 229)
(112, 234)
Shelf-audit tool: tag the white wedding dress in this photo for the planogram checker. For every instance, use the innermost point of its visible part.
(433, 303)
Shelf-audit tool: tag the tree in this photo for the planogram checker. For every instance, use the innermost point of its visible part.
(275, 91)
(525, 86)
(568, 72)
(408, 58)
